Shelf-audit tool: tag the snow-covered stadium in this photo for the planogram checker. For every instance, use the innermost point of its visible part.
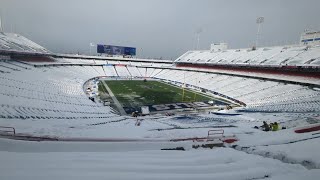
(54, 124)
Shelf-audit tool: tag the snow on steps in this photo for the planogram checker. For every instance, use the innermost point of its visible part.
(295, 152)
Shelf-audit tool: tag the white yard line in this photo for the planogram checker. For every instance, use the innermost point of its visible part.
(115, 100)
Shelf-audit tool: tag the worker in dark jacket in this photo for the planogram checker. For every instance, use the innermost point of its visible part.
(265, 126)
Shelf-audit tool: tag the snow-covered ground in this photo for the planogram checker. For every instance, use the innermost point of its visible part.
(34, 160)
(50, 102)
(283, 154)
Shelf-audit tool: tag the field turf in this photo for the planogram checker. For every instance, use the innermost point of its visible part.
(137, 93)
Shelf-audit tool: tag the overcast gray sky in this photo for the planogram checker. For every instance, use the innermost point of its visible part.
(158, 28)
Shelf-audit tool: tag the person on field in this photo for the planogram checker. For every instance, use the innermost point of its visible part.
(265, 126)
(270, 126)
(275, 126)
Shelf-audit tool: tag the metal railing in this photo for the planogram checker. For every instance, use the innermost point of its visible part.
(215, 133)
(8, 130)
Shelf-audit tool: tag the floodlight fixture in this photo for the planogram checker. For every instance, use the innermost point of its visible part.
(90, 45)
(259, 21)
(198, 32)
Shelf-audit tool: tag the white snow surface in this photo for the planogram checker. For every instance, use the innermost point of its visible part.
(16, 42)
(277, 55)
(268, 155)
(67, 161)
(50, 101)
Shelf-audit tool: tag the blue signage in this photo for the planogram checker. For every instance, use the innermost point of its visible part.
(116, 50)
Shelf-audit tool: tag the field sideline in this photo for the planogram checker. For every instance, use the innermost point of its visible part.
(132, 94)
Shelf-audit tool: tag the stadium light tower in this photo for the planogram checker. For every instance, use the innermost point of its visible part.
(198, 32)
(259, 21)
(90, 45)
(1, 28)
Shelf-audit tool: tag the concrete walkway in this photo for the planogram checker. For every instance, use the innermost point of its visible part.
(115, 100)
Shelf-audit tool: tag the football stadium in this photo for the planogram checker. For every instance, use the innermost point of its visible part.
(221, 113)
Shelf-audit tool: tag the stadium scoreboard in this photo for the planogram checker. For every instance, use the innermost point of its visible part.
(116, 50)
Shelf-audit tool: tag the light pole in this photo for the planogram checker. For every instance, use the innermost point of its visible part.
(259, 21)
(198, 32)
(1, 28)
(90, 45)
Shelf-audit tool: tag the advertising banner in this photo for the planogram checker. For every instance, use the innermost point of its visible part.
(116, 50)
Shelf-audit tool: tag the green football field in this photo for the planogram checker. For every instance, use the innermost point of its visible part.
(137, 93)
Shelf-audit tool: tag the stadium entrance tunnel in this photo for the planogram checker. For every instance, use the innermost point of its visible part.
(128, 95)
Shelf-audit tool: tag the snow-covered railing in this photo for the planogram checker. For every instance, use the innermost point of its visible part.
(215, 133)
(6, 129)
